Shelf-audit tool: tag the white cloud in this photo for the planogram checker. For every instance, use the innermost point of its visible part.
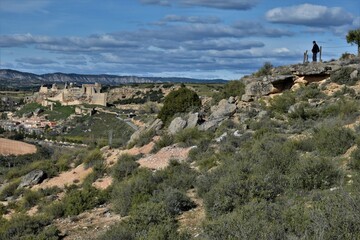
(310, 15)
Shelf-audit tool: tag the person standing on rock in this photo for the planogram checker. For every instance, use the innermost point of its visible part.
(315, 51)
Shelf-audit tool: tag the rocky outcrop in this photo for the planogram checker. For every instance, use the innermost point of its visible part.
(222, 110)
(267, 85)
(219, 113)
(32, 178)
(177, 125)
(155, 126)
(192, 120)
(354, 74)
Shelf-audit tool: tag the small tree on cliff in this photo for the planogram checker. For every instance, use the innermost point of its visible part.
(178, 101)
(353, 37)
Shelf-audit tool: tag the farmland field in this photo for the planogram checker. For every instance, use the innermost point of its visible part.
(11, 147)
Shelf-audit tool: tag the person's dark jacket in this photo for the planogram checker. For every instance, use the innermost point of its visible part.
(315, 48)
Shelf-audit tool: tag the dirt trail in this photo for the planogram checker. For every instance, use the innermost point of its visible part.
(73, 176)
(191, 220)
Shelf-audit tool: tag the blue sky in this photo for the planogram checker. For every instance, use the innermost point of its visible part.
(183, 38)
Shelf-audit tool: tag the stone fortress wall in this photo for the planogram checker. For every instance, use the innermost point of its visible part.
(72, 95)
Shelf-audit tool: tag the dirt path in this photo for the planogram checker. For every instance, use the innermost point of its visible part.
(12, 147)
(73, 176)
(191, 220)
(87, 225)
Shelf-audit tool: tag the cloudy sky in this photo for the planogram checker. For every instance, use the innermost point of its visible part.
(184, 38)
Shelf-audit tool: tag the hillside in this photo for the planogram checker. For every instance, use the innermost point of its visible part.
(273, 156)
(14, 78)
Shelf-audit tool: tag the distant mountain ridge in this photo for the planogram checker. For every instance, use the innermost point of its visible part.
(9, 76)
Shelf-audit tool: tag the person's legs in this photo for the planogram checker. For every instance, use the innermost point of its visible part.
(314, 57)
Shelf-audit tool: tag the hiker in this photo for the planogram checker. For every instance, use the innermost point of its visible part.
(315, 50)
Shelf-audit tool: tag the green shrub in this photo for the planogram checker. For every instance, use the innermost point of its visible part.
(174, 200)
(3, 210)
(342, 108)
(178, 101)
(333, 140)
(355, 159)
(176, 175)
(143, 139)
(124, 167)
(192, 136)
(315, 173)
(9, 190)
(93, 157)
(122, 230)
(335, 216)
(31, 198)
(281, 103)
(310, 91)
(304, 111)
(231, 89)
(342, 76)
(77, 201)
(254, 221)
(25, 227)
(133, 191)
(265, 70)
(164, 141)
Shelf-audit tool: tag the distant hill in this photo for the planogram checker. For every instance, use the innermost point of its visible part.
(12, 78)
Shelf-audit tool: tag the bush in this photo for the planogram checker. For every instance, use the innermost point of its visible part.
(254, 221)
(93, 157)
(176, 175)
(124, 167)
(355, 159)
(265, 70)
(315, 173)
(192, 136)
(31, 198)
(178, 101)
(176, 201)
(310, 91)
(342, 108)
(77, 201)
(133, 191)
(231, 89)
(164, 141)
(335, 216)
(342, 76)
(9, 190)
(25, 227)
(333, 140)
(282, 103)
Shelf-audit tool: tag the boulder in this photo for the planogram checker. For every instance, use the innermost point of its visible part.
(221, 138)
(354, 74)
(176, 125)
(231, 100)
(193, 120)
(32, 178)
(222, 110)
(156, 125)
(210, 124)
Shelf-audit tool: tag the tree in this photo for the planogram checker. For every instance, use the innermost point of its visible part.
(353, 37)
(178, 101)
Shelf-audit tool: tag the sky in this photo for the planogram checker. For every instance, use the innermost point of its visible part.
(204, 39)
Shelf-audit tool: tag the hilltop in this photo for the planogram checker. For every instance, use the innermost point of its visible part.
(273, 156)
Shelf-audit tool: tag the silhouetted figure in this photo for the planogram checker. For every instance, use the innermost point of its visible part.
(315, 50)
